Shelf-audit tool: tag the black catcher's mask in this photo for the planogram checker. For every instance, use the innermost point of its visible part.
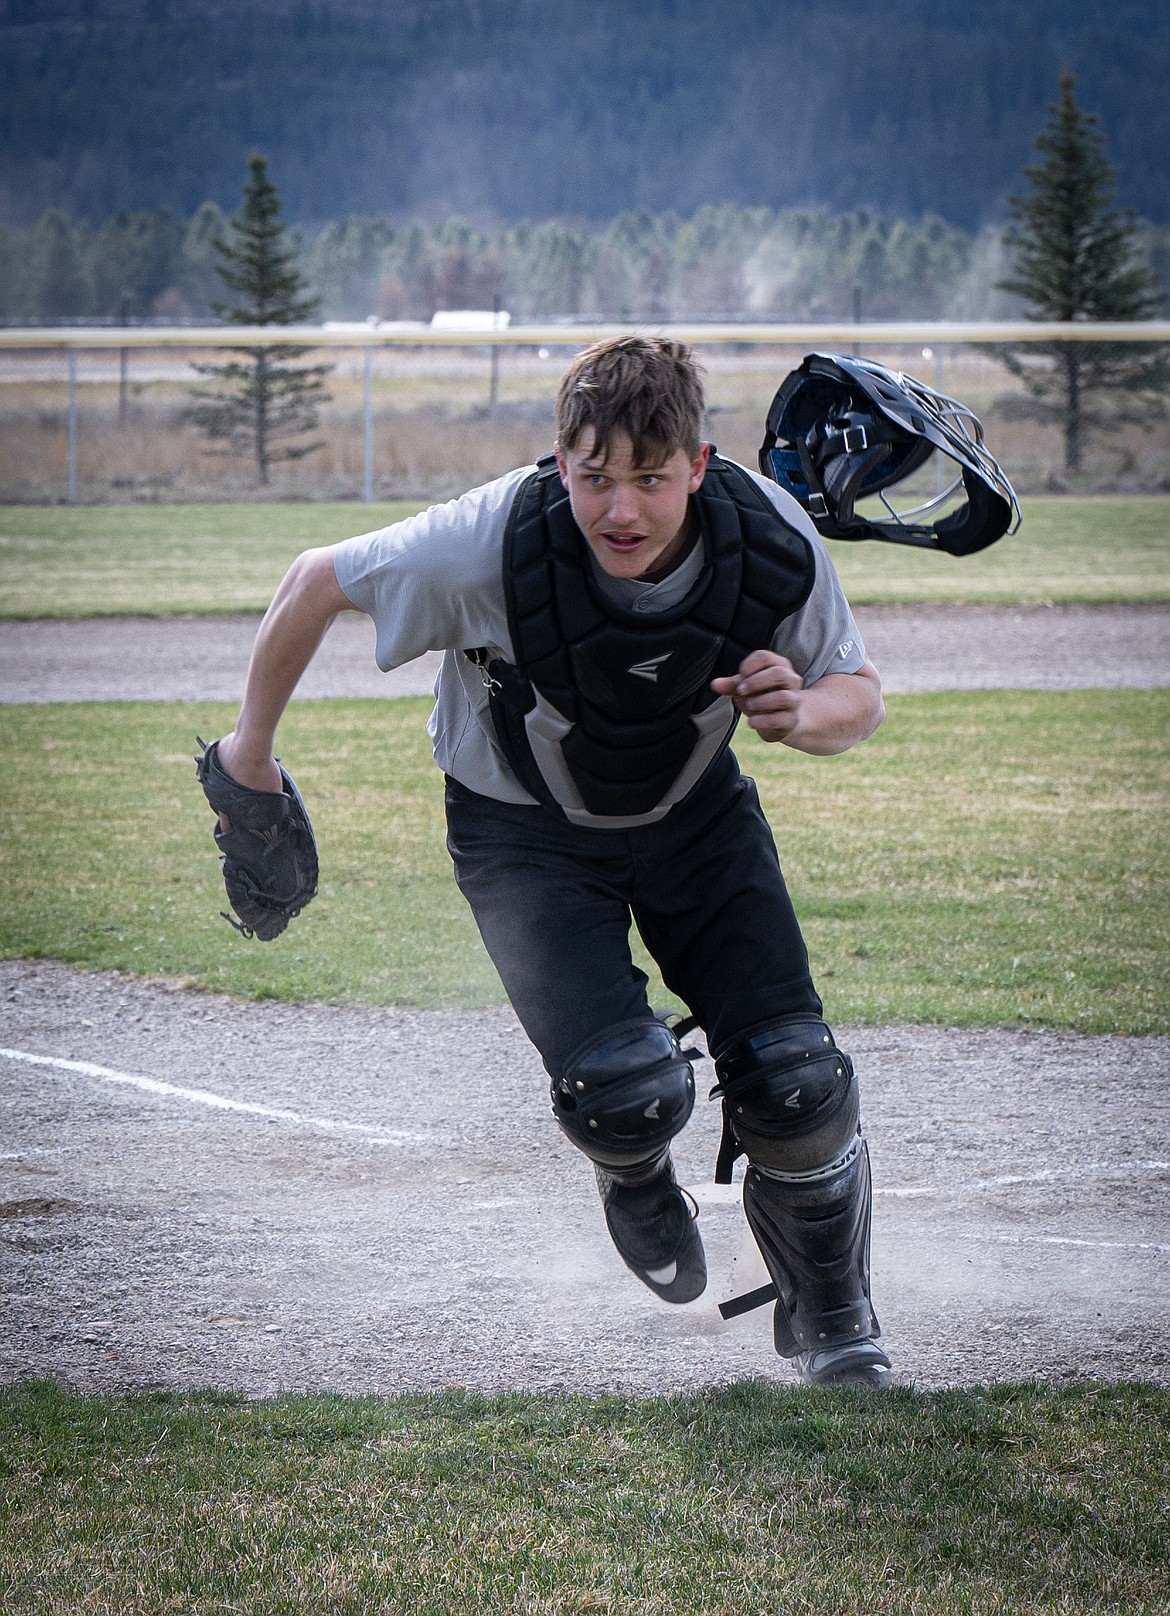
(841, 428)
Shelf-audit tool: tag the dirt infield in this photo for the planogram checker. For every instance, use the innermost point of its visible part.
(266, 1197)
(196, 1192)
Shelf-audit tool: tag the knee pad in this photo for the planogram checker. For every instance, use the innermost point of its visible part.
(623, 1098)
(790, 1101)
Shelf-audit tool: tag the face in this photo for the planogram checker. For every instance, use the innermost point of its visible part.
(633, 517)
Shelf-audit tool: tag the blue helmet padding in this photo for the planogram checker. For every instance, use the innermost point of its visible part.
(784, 466)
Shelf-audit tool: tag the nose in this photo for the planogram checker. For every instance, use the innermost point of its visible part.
(623, 506)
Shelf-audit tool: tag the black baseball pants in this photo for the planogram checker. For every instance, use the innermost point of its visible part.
(554, 903)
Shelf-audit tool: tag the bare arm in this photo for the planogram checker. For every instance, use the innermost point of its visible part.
(829, 716)
(307, 601)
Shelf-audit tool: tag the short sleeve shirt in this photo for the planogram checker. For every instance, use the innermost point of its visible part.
(435, 583)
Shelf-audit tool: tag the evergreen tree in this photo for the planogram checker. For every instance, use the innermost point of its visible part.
(55, 280)
(1074, 256)
(135, 258)
(264, 396)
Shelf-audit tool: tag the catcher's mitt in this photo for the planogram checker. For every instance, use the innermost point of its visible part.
(269, 854)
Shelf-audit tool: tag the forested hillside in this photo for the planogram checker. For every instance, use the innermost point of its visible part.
(723, 263)
(510, 109)
(727, 262)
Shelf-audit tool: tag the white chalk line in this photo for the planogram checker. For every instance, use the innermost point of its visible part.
(217, 1102)
(1053, 1240)
(705, 1194)
(1078, 1172)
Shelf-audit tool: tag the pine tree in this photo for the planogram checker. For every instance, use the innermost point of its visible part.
(1077, 257)
(262, 397)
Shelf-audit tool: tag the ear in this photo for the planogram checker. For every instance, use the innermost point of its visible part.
(562, 465)
(698, 468)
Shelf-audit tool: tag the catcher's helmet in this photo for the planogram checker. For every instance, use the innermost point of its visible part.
(842, 427)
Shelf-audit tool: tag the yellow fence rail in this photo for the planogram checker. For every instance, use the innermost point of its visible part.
(390, 334)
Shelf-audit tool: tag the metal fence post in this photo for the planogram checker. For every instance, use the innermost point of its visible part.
(124, 366)
(494, 382)
(938, 338)
(940, 471)
(72, 452)
(368, 422)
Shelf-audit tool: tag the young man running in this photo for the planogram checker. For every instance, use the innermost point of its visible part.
(607, 617)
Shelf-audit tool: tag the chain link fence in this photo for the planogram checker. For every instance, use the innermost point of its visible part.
(103, 416)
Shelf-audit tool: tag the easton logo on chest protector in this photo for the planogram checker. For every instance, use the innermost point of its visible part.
(624, 688)
(649, 670)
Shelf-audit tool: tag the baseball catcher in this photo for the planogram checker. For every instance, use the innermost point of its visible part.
(607, 616)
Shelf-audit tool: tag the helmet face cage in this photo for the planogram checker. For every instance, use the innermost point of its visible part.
(842, 428)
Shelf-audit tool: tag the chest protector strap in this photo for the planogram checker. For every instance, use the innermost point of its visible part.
(625, 688)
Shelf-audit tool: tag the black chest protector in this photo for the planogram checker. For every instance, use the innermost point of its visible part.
(627, 683)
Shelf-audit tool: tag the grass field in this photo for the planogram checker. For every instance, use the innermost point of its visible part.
(754, 1499)
(62, 561)
(1068, 550)
(988, 858)
(113, 560)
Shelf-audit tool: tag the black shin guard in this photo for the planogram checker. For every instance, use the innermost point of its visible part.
(791, 1104)
(813, 1232)
(622, 1098)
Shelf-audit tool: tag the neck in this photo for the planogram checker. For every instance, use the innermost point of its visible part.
(688, 538)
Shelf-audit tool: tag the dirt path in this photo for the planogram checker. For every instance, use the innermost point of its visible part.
(915, 647)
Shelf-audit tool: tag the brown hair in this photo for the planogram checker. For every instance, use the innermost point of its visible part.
(646, 387)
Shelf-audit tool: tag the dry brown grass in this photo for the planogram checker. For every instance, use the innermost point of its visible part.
(159, 454)
(434, 434)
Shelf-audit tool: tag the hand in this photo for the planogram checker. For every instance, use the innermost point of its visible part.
(769, 693)
(260, 770)
(829, 716)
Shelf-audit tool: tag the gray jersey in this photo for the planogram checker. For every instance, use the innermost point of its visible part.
(435, 583)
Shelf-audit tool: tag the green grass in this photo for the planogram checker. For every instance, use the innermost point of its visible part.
(993, 858)
(124, 874)
(94, 561)
(159, 560)
(750, 1499)
(1110, 548)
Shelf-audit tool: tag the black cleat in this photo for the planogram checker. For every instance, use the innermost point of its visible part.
(849, 1363)
(654, 1227)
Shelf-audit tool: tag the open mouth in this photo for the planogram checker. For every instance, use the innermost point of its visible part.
(623, 541)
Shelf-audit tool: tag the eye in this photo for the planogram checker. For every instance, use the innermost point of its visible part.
(595, 480)
(650, 480)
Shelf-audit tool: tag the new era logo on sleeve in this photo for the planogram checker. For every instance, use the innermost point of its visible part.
(844, 649)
